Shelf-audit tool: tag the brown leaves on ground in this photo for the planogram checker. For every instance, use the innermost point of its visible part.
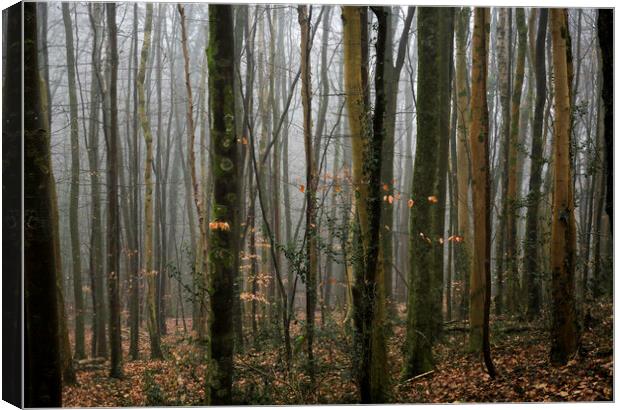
(520, 352)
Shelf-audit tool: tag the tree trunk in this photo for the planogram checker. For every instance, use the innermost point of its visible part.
(149, 270)
(42, 378)
(480, 291)
(433, 82)
(368, 293)
(605, 27)
(510, 218)
(224, 166)
(463, 248)
(564, 334)
(311, 184)
(74, 195)
(113, 232)
(134, 298)
(533, 272)
(504, 41)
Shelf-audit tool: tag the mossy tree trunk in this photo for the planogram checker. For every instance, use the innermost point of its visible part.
(433, 82)
(368, 290)
(225, 211)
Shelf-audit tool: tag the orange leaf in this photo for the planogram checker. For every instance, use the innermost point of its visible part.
(302, 188)
(386, 187)
(410, 203)
(390, 199)
(432, 199)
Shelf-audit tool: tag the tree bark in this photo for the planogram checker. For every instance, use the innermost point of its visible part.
(605, 27)
(533, 272)
(113, 222)
(511, 251)
(480, 292)
(149, 271)
(42, 378)
(74, 195)
(224, 164)
(564, 334)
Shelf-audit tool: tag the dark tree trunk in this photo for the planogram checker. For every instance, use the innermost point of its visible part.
(533, 271)
(113, 233)
(224, 164)
(43, 385)
(605, 25)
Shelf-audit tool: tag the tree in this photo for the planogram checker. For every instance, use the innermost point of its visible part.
(224, 164)
(564, 331)
(605, 30)
(75, 187)
(134, 298)
(149, 272)
(113, 220)
(201, 283)
(531, 266)
(43, 385)
(424, 227)
(311, 230)
(511, 250)
(368, 292)
(480, 291)
(392, 77)
(464, 249)
(504, 68)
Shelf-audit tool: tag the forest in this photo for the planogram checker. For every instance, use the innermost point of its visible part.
(312, 204)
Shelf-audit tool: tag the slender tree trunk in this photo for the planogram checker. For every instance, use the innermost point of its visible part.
(480, 291)
(74, 195)
(113, 232)
(149, 270)
(134, 298)
(531, 243)
(464, 247)
(311, 184)
(512, 176)
(504, 41)
(202, 284)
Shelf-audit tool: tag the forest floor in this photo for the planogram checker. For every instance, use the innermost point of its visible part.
(519, 350)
